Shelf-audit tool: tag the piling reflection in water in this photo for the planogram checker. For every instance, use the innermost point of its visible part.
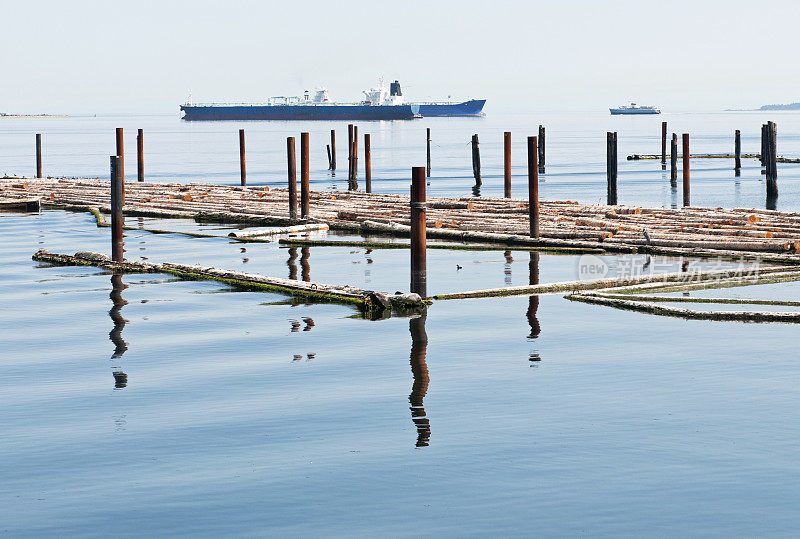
(419, 349)
(772, 201)
(304, 264)
(533, 301)
(507, 267)
(115, 335)
(117, 286)
(291, 263)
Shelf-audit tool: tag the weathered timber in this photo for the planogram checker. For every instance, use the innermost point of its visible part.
(639, 156)
(664, 310)
(26, 205)
(365, 299)
(476, 160)
(311, 227)
(594, 284)
(498, 220)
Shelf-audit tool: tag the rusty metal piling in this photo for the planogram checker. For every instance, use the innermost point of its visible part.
(663, 145)
(38, 155)
(533, 186)
(242, 165)
(428, 150)
(686, 184)
(507, 164)
(117, 201)
(304, 177)
(673, 159)
(611, 168)
(367, 164)
(541, 145)
(140, 155)
(292, 177)
(418, 232)
(121, 152)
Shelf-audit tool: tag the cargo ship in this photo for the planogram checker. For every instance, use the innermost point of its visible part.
(380, 103)
(633, 108)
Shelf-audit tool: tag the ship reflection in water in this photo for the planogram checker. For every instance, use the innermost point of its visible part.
(115, 335)
(419, 348)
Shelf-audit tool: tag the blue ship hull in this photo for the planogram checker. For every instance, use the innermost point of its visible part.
(634, 111)
(473, 107)
(299, 112)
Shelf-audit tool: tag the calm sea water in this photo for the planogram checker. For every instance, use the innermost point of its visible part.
(143, 405)
(576, 161)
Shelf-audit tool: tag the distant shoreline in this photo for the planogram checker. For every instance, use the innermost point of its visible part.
(8, 115)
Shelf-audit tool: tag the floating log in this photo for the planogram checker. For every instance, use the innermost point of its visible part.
(664, 310)
(639, 156)
(593, 284)
(26, 205)
(368, 300)
(311, 227)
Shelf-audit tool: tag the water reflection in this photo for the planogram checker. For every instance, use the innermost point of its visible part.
(117, 286)
(476, 190)
(533, 301)
(507, 268)
(419, 349)
(772, 201)
(291, 263)
(304, 264)
(115, 335)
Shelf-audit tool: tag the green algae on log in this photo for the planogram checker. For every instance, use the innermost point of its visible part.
(366, 300)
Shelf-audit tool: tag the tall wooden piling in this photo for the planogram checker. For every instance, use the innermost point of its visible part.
(673, 159)
(332, 150)
(686, 187)
(418, 232)
(121, 152)
(140, 155)
(242, 166)
(663, 145)
(771, 160)
(507, 164)
(428, 150)
(611, 168)
(38, 155)
(292, 177)
(763, 155)
(533, 186)
(367, 164)
(476, 160)
(541, 145)
(737, 150)
(305, 193)
(117, 201)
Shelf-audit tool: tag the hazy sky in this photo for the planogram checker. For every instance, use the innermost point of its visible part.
(99, 57)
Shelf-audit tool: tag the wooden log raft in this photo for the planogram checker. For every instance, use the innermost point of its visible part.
(465, 219)
(369, 301)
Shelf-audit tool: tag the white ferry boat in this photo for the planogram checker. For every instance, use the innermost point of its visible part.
(633, 108)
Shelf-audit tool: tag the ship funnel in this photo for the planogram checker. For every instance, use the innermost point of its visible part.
(394, 88)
